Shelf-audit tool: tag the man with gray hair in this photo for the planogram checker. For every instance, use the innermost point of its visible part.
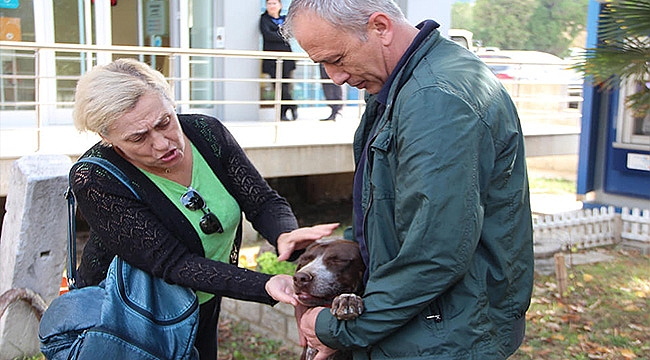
(441, 202)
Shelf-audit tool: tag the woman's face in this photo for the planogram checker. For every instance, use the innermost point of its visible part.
(149, 136)
(273, 7)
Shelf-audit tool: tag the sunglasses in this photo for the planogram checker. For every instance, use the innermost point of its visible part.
(209, 223)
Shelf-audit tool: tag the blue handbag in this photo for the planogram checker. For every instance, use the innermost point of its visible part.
(129, 315)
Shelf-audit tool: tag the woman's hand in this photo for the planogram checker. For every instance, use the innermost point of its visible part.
(280, 287)
(301, 238)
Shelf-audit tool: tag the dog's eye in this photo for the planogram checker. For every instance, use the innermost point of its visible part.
(337, 260)
(305, 259)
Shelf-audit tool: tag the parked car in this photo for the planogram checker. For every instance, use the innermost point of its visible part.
(499, 65)
(527, 65)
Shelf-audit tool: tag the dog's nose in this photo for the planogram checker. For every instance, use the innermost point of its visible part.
(301, 278)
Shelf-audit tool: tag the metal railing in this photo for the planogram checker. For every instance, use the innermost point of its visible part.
(544, 91)
(37, 83)
(38, 80)
(176, 67)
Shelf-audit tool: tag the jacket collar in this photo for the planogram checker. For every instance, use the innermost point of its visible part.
(374, 113)
(426, 27)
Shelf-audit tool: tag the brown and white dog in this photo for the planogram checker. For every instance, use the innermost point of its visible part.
(330, 274)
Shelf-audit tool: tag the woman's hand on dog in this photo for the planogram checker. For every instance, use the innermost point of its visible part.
(301, 238)
(280, 288)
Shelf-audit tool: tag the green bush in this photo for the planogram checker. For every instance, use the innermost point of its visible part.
(268, 263)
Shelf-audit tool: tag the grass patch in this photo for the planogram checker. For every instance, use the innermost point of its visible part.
(238, 342)
(605, 315)
(551, 185)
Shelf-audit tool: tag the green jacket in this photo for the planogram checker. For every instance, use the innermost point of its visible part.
(447, 216)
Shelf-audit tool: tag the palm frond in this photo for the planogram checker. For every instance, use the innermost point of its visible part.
(625, 18)
(624, 51)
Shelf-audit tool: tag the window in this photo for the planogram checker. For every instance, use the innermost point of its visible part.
(633, 130)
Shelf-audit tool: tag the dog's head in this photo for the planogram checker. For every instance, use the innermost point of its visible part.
(326, 269)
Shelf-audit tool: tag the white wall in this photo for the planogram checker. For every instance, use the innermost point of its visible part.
(241, 24)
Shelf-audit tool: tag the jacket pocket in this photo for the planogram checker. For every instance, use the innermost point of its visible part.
(382, 166)
(434, 318)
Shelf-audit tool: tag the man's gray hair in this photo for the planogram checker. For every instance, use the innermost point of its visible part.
(350, 15)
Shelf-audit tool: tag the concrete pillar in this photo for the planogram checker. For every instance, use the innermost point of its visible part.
(32, 245)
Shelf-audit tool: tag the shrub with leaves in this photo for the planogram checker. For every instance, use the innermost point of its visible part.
(268, 263)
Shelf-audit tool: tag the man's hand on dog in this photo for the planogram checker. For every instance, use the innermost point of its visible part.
(306, 326)
(301, 238)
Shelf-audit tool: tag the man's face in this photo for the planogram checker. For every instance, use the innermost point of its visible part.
(347, 59)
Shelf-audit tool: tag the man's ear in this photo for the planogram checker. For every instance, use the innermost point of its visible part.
(381, 26)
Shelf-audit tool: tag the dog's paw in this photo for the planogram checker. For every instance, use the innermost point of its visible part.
(347, 306)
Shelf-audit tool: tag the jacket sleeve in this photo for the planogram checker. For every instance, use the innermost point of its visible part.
(426, 243)
(125, 226)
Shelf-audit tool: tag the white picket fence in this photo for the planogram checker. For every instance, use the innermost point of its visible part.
(588, 228)
(636, 225)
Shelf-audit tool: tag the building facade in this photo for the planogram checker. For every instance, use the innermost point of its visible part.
(183, 24)
(614, 155)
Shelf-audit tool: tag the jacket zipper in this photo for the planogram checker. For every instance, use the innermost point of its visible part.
(372, 187)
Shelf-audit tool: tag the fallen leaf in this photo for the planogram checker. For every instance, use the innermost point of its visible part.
(571, 318)
(577, 308)
(595, 304)
(628, 354)
(637, 327)
(543, 353)
(554, 326)
(558, 337)
(526, 348)
(587, 277)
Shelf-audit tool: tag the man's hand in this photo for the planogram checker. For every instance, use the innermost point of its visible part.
(301, 238)
(307, 323)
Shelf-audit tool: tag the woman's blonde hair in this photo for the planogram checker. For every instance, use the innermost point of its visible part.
(107, 91)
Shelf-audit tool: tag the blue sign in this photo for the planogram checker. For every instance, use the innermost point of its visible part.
(9, 4)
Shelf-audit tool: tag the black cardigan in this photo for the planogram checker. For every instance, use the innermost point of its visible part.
(153, 235)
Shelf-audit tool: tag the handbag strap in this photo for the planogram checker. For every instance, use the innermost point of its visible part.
(72, 232)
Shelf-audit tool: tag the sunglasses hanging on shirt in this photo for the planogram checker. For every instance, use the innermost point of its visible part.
(209, 222)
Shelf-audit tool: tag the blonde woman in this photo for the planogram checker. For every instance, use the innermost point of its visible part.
(195, 182)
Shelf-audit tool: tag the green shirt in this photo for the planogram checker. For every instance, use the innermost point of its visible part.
(216, 246)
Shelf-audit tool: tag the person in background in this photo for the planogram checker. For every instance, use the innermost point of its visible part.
(195, 182)
(441, 201)
(331, 92)
(272, 40)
